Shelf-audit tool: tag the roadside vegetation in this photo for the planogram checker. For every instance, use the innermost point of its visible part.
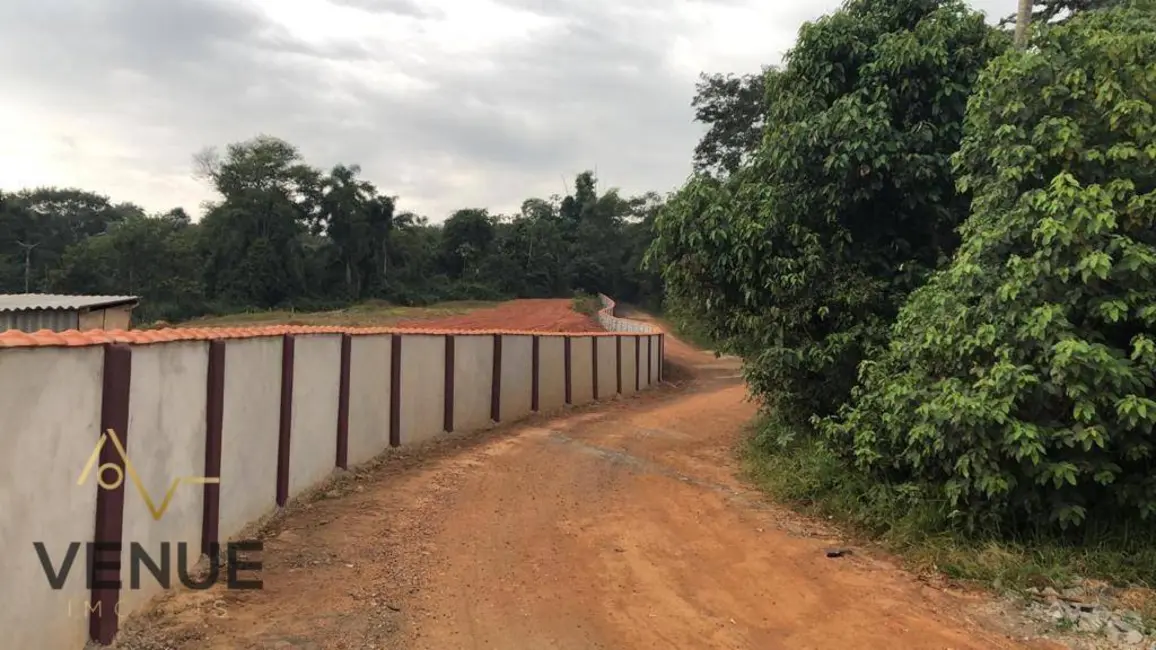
(937, 262)
(585, 303)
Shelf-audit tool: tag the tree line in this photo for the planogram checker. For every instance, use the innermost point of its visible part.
(934, 249)
(282, 233)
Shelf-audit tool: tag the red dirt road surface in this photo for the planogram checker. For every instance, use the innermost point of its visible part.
(618, 526)
(539, 315)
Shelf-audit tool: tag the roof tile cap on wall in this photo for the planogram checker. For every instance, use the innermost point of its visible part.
(74, 338)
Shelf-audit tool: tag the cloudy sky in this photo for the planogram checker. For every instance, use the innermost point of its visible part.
(446, 103)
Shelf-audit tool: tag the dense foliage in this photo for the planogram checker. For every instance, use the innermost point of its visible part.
(799, 260)
(283, 233)
(734, 108)
(1020, 382)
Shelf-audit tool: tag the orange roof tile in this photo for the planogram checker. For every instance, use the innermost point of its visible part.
(74, 338)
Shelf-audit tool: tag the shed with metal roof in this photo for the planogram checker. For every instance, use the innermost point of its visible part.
(31, 312)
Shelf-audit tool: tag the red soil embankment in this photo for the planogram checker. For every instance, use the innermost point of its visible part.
(536, 315)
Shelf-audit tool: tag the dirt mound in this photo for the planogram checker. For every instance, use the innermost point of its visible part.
(542, 315)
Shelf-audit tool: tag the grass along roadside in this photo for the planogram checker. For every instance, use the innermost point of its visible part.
(371, 313)
(585, 303)
(810, 479)
(688, 333)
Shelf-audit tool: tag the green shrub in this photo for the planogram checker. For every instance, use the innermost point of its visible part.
(585, 303)
(1020, 382)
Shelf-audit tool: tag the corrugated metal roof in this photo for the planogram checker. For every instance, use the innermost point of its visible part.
(41, 301)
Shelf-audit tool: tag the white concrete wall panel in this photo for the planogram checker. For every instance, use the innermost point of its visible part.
(166, 443)
(654, 357)
(551, 373)
(473, 381)
(313, 432)
(581, 370)
(50, 408)
(517, 376)
(644, 378)
(629, 367)
(250, 431)
(369, 399)
(607, 368)
(422, 387)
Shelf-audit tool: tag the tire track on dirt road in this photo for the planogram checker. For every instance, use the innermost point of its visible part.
(618, 526)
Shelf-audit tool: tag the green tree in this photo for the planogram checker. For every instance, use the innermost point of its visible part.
(1020, 382)
(358, 221)
(734, 110)
(466, 239)
(253, 237)
(152, 257)
(799, 261)
(37, 225)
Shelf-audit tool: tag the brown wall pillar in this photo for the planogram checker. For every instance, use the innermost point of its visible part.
(637, 368)
(566, 372)
(496, 381)
(214, 425)
(395, 390)
(103, 621)
(342, 460)
(448, 417)
(288, 346)
(594, 372)
(535, 371)
(618, 362)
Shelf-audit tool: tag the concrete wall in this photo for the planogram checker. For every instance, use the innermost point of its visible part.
(581, 370)
(644, 352)
(629, 367)
(551, 373)
(50, 401)
(313, 436)
(51, 407)
(655, 351)
(249, 432)
(607, 368)
(369, 396)
(473, 381)
(517, 375)
(422, 387)
(166, 443)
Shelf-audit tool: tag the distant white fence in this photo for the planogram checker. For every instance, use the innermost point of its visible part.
(613, 323)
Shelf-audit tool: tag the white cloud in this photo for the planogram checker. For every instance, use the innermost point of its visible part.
(448, 104)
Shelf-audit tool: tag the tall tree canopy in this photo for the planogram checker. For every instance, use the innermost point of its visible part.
(799, 260)
(733, 107)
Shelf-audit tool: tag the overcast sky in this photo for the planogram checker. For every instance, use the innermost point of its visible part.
(445, 103)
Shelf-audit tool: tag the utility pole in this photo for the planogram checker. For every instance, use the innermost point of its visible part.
(27, 262)
(1023, 17)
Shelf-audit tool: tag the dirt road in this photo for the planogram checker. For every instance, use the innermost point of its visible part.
(620, 526)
